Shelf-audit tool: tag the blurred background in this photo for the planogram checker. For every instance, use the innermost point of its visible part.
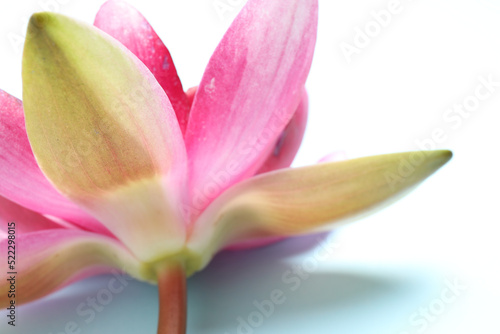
(388, 76)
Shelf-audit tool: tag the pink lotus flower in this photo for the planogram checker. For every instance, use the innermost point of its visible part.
(111, 165)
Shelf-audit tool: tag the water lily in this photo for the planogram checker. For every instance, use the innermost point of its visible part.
(108, 164)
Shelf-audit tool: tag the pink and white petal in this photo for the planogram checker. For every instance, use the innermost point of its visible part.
(289, 141)
(248, 94)
(309, 199)
(104, 132)
(127, 25)
(21, 179)
(24, 220)
(48, 260)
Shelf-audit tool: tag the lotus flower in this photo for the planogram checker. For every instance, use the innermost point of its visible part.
(110, 165)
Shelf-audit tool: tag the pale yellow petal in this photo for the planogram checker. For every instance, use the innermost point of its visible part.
(104, 132)
(309, 199)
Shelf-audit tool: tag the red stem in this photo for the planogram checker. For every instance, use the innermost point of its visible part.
(172, 293)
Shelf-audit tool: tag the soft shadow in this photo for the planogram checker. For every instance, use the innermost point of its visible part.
(337, 300)
(228, 289)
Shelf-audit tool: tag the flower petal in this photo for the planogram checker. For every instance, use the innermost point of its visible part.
(127, 25)
(26, 220)
(310, 199)
(253, 242)
(22, 181)
(104, 132)
(248, 94)
(190, 93)
(51, 259)
(288, 143)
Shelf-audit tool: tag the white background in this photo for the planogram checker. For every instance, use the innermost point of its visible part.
(393, 94)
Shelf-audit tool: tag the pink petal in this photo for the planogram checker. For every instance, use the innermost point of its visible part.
(22, 181)
(190, 93)
(127, 25)
(48, 260)
(289, 141)
(24, 219)
(248, 94)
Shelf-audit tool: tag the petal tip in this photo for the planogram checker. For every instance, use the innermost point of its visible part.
(441, 157)
(39, 21)
(447, 155)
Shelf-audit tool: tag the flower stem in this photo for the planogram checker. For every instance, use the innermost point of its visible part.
(172, 293)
